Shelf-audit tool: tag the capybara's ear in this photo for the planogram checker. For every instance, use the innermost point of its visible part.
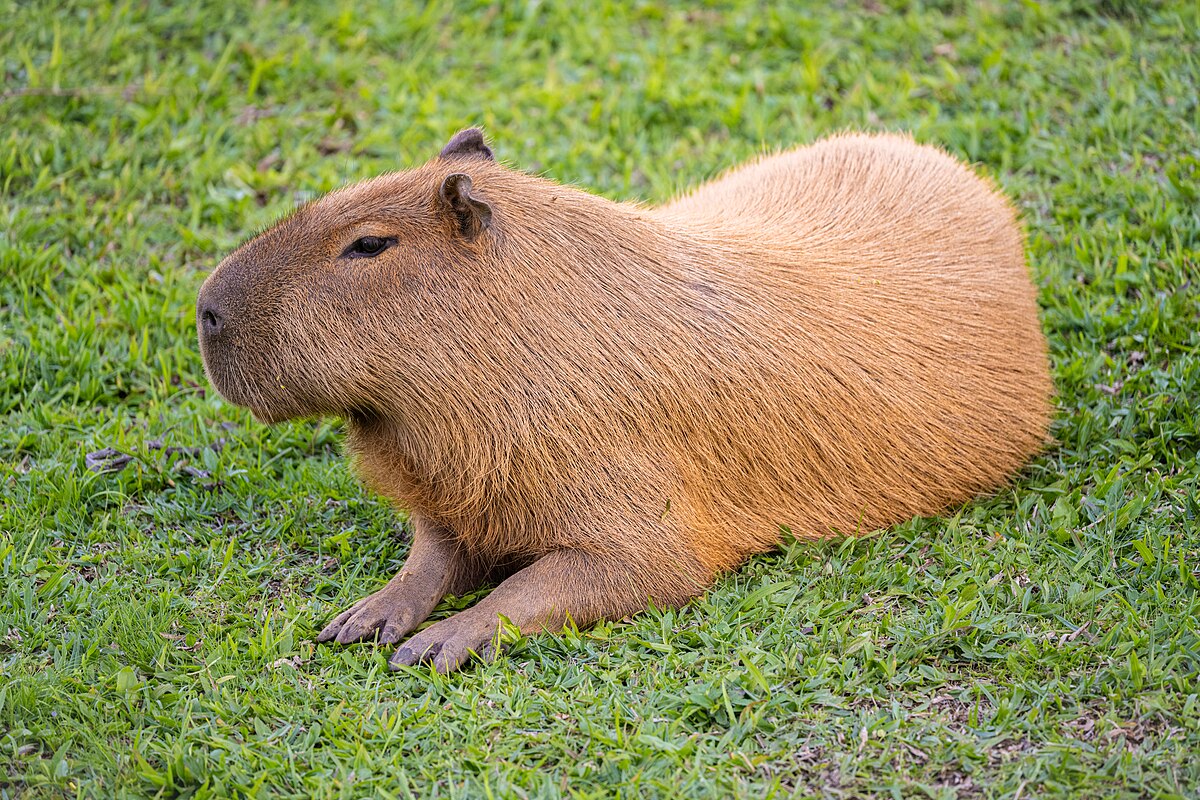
(468, 143)
(473, 214)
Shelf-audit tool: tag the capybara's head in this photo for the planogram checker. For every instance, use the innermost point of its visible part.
(343, 298)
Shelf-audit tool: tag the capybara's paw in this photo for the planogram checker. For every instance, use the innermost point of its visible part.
(382, 612)
(449, 644)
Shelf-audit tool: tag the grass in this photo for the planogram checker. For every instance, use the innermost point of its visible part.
(156, 622)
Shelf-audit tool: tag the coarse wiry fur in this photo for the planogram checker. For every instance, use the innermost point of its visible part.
(615, 403)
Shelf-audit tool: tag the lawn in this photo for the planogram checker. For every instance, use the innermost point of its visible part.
(157, 621)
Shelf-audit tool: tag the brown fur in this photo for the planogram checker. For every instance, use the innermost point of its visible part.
(616, 403)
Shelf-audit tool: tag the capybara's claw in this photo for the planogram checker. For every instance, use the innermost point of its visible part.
(447, 645)
(335, 625)
(406, 656)
(381, 616)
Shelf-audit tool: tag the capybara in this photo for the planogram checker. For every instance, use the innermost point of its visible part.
(600, 406)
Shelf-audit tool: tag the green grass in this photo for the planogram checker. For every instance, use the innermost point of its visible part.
(156, 623)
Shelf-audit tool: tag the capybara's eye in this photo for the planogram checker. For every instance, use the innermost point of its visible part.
(368, 247)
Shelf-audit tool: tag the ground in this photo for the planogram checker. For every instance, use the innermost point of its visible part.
(157, 619)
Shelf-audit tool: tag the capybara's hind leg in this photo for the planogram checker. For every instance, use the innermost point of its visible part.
(566, 584)
(437, 565)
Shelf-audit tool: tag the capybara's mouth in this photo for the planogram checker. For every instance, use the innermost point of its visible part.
(270, 416)
(264, 409)
(224, 378)
(275, 402)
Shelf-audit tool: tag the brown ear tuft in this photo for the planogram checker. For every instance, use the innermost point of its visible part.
(467, 143)
(474, 215)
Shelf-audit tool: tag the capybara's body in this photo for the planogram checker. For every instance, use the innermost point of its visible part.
(605, 405)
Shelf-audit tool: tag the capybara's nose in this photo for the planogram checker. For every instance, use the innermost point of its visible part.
(211, 321)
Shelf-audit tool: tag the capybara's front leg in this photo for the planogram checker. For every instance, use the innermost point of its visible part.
(566, 584)
(437, 565)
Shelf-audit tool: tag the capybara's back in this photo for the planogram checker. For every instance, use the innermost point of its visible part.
(601, 405)
(882, 356)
